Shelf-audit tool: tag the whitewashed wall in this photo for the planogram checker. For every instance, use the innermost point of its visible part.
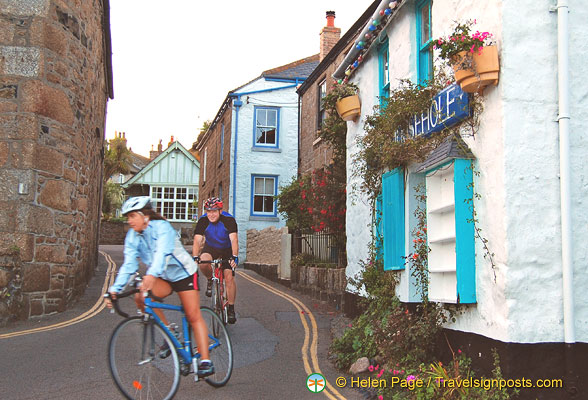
(517, 156)
(283, 163)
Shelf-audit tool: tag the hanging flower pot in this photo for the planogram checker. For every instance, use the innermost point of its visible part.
(348, 107)
(475, 71)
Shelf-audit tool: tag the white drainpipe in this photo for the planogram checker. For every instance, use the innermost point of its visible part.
(563, 67)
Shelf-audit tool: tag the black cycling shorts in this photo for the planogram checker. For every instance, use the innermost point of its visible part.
(183, 285)
(218, 253)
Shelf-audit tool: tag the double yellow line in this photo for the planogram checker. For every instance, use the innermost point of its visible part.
(329, 391)
(96, 308)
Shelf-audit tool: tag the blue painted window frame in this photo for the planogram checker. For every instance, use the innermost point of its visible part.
(222, 141)
(255, 119)
(384, 71)
(393, 219)
(378, 227)
(424, 50)
(322, 113)
(264, 214)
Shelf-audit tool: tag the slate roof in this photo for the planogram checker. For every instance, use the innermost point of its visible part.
(297, 69)
(451, 148)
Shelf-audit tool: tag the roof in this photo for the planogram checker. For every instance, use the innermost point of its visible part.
(297, 70)
(138, 162)
(175, 146)
(451, 148)
(339, 47)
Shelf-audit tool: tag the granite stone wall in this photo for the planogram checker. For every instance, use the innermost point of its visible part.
(53, 92)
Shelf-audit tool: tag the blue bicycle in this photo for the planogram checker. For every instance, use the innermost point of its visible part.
(139, 356)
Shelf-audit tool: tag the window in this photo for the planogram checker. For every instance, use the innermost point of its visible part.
(222, 141)
(174, 203)
(322, 92)
(220, 191)
(451, 233)
(266, 127)
(263, 190)
(384, 70)
(393, 219)
(425, 53)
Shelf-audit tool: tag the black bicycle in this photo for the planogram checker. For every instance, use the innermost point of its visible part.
(139, 356)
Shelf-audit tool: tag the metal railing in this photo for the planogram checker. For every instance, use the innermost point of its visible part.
(320, 245)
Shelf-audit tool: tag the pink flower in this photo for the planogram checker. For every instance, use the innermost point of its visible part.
(459, 351)
(381, 373)
(371, 368)
(380, 397)
(410, 378)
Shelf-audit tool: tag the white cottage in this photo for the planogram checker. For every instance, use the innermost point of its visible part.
(530, 152)
(256, 130)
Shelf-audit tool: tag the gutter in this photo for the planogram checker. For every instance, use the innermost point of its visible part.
(563, 119)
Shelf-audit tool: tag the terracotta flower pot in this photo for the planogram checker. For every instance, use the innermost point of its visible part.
(348, 107)
(486, 69)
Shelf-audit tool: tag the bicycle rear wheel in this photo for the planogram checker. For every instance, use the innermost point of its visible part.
(136, 367)
(220, 348)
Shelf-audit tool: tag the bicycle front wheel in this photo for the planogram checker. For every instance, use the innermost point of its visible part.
(139, 367)
(220, 348)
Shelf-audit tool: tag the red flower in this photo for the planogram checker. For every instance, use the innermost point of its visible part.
(310, 210)
(323, 212)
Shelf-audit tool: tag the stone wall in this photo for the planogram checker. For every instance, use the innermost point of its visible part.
(54, 87)
(113, 232)
(264, 247)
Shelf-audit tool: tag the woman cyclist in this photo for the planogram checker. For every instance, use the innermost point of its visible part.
(153, 239)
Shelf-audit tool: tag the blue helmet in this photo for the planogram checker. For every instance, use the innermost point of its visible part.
(136, 204)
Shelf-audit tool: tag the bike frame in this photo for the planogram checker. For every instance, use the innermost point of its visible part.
(218, 275)
(183, 351)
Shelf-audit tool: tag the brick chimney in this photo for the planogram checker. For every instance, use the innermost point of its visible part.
(329, 35)
(153, 154)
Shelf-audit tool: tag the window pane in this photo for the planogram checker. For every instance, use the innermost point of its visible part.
(192, 211)
(156, 193)
(259, 182)
(260, 135)
(269, 186)
(425, 24)
(258, 203)
(168, 193)
(261, 117)
(268, 205)
(181, 210)
(191, 193)
(181, 193)
(272, 116)
(270, 136)
(168, 210)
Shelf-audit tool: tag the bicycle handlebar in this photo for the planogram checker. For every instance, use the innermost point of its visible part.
(128, 293)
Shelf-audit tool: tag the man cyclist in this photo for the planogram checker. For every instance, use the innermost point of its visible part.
(215, 236)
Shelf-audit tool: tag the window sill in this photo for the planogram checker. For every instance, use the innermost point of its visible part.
(267, 149)
(262, 218)
(317, 141)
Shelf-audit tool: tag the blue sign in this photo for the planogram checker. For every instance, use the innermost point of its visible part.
(448, 107)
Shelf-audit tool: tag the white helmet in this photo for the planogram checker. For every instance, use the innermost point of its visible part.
(136, 204)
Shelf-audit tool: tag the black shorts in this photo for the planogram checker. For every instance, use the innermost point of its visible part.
(183, 285)
(218, 253)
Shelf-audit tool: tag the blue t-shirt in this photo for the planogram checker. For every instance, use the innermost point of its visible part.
(217, 234)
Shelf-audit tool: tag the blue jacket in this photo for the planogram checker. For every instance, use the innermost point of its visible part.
(155, 246)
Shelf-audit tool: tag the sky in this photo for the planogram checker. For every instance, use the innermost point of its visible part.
(174, 61)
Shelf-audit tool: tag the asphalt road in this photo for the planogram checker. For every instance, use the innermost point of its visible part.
(276, 347)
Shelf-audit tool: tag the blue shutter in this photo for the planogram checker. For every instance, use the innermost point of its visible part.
(464, 232)
(393, 218)
(378, 228)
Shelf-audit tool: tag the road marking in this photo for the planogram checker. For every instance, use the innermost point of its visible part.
(96, 308)
(302, 310)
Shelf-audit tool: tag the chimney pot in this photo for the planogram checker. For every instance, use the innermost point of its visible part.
(331, 18)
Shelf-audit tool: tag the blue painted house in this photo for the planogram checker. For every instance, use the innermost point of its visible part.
(251, 147)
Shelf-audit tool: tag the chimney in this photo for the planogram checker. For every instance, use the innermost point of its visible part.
(153, 153)
(329, 35)
(171, 141)
(124, 138)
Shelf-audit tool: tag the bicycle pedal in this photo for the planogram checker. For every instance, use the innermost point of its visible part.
(185, 369)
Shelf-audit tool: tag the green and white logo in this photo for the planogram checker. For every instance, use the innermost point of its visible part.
(316, 383)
